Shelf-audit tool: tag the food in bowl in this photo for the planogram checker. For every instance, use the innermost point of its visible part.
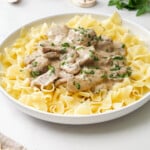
(85, 66)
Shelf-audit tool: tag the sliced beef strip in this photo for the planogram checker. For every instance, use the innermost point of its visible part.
(28, 59)
(61, 48)
(81, 36)
(52, 55)
(86, 55)
(39, 65)
(119, 48)
(68, 62)
(58, 33)
(49, 77)
(72, 68)
(105, 44)
(44, 79)
(84, 82)
(63, 77)
(47, 46)
(69, 57)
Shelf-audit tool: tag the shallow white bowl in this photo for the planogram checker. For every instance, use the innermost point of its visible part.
(77, 119)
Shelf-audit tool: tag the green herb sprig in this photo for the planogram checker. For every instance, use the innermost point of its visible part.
(51, 69)
(77, 85)
(142, 6)
(34, 74)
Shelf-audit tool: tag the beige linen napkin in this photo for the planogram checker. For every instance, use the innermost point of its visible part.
(8, 144)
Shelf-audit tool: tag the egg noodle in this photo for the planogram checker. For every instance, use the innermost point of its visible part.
(16, 80)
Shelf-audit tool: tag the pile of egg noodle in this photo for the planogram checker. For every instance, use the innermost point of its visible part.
(16, 80)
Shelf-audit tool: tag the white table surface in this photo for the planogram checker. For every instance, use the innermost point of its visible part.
(127, 133)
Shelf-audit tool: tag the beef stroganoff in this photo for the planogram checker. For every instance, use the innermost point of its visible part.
(85, 66)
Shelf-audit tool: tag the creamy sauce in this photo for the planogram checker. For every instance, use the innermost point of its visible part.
(79, 59)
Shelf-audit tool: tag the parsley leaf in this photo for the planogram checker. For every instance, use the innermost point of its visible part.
(77, 85)
(65, 45)
(93, 56)
(88, 71)
(34, 63)
(142, 6)
(104, 76)
(115, 68)
(34, 74)
(51, 69)
(118, 57)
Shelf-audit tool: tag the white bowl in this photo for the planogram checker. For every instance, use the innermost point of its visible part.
(77, 119)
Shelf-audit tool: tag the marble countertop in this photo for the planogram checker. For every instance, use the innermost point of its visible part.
(127, 133)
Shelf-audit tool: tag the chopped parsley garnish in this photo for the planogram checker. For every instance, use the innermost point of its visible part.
(123, 75)
(34, 63)
(117, 67)
(89, 36)
(123, 46)
(118, 58)
(65, 45)
(75, 29)
(77, 85)
(129, 71)
(73, 47)
(34, 74)
(52, 44)
(104, 76)
(64, 49)
(93, 56)
(88, 71)
(82, 30)
(42, 45)
(112, 76)
(63, 63)
(78, 48)
(89, 43)
(99, 38)
(51, 69)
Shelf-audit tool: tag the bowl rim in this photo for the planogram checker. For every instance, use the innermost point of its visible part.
(13, 100)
